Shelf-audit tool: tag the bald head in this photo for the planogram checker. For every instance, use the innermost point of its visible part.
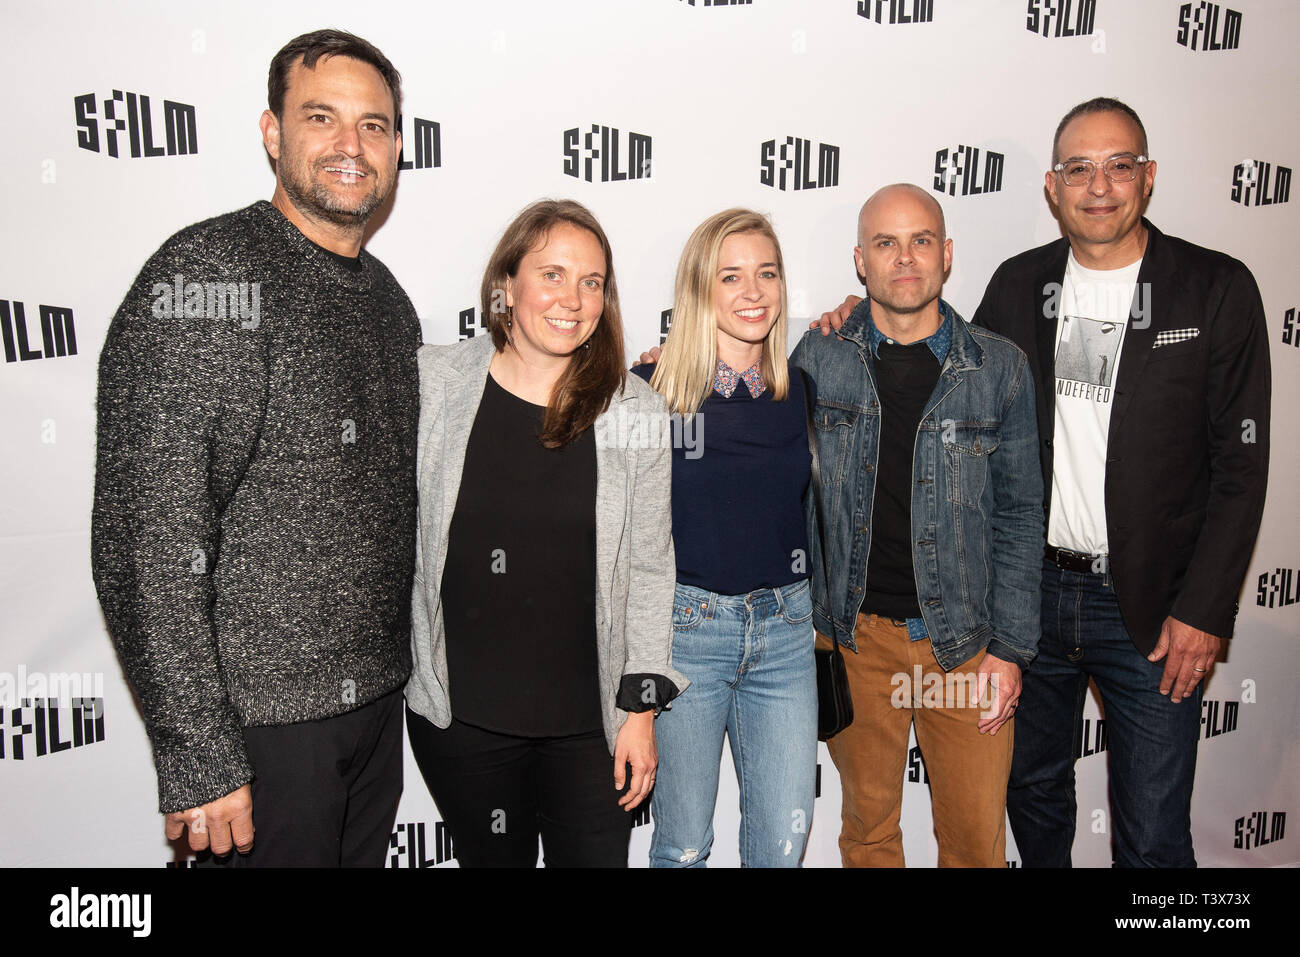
(888, 201)
(904, 256)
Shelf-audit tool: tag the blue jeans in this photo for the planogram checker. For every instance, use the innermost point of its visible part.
(750, 662)
(1152, 742)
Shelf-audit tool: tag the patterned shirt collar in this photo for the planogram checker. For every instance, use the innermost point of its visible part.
(725, 379)
(939, 342)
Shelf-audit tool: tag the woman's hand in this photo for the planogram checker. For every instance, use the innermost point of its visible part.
(635, 745)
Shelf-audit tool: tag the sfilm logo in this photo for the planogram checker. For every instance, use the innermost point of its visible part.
(1092, 738)
(427, 139)
(1258, 828)
(409, 849)
(1210, 717)
(467, 326)
(1061, 18)
(790, 165)
(916, 772)
(178, 120)
(665, 324)
(1250, 180)
(964, 164)
(1278, 588)
(641, 815)
(721, 3)
(1202, 27)
(1290, 331)
(41, 722)
(58, 334)
(898, 11)
(598, 148)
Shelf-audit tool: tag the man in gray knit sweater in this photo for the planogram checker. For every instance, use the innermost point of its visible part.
(254, 517)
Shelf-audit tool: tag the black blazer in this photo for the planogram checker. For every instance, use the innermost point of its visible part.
(1187, 457)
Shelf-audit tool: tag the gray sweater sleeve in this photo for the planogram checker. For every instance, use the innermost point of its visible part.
(180, 404)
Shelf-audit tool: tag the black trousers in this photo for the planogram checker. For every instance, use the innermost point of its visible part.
(497, 793)
(325, 792)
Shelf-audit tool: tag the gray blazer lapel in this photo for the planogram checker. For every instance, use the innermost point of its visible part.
(456, 380)
(612, 476)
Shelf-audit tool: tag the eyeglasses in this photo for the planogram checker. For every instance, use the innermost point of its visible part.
(1118, 169)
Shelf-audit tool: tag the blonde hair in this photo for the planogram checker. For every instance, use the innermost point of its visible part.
(685, 371)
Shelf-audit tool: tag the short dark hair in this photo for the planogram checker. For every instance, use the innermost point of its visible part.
(310, 47)
(1098, 104)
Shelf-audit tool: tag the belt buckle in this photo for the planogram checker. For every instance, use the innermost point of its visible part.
(1074, 561)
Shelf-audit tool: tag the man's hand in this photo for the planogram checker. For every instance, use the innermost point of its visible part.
(833, 320)
(635, 745)
(1003, 677)
(651, 357)
(1191, 656)
(219, 824)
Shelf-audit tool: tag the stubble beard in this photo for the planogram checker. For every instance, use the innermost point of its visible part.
(902, 307)
(318, 201)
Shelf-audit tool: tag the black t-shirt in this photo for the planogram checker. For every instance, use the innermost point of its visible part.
(347, 262)
(518, 589)
(905, 379)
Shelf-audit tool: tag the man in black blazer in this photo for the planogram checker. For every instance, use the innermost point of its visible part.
(1152, 372)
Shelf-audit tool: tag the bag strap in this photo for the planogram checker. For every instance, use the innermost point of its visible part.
(816, 483)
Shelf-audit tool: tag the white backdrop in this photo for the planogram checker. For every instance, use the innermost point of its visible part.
(708, 83)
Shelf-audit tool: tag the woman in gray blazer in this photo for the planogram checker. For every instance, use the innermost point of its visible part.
(542, 610)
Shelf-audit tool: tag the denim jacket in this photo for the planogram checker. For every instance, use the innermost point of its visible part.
(977, 497)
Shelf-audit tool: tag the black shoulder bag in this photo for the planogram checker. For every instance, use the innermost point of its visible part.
(834, 703)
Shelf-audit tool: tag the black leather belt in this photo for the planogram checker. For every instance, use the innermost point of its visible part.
(1075, 561)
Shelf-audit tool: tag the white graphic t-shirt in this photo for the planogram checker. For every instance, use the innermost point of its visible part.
(1092, 320)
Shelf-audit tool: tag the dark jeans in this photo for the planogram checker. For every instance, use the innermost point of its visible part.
(498, 792)
(325, 792)
(1152, 742)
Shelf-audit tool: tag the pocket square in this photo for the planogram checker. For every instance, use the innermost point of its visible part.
(1171, 336)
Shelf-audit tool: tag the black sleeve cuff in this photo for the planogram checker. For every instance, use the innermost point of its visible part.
(645, 692)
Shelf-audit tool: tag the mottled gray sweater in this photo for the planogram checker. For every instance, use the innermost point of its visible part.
(254, 520)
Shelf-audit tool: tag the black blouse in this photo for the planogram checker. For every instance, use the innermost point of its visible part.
(518, 589)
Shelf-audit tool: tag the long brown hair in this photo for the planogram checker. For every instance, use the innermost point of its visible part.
(597, 370)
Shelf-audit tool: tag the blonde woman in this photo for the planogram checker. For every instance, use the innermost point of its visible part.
(742, 614)
(540, 619)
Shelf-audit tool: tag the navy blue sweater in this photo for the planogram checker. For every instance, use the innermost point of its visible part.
(738, 518)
